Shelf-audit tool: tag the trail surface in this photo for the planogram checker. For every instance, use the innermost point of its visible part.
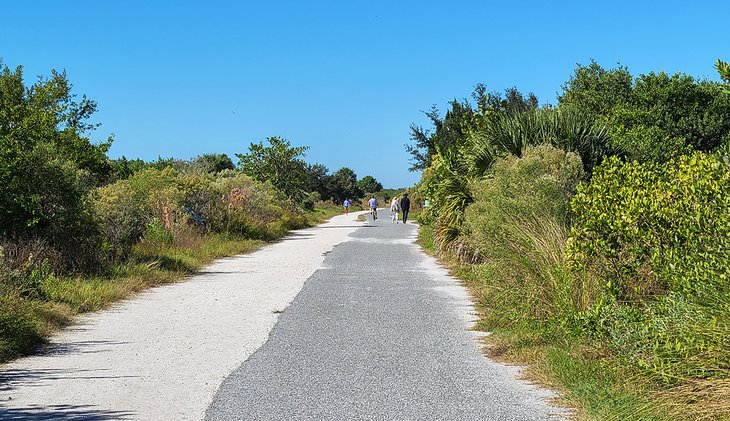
(163, 354)
(380, 332)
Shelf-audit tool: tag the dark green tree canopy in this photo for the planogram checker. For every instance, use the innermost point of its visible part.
(451, 132)
(344, 185)
(47, 162)
(595, 90)
(369, 184)
(278, 163)
(213, 163)
(123, 168)
(319, 180)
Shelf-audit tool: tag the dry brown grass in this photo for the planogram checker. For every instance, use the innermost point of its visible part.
(698, 399)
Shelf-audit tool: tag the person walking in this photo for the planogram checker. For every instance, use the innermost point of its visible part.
(394, 209)
(346, 204)
(405, 206)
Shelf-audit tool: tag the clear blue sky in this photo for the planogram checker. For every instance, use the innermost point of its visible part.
(346, 78)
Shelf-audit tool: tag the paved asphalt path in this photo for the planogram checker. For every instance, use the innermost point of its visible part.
(379, 332)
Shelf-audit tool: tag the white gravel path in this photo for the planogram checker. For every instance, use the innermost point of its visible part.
(163, 354)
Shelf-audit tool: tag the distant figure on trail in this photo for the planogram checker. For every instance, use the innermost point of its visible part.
(394, 209)
(405, 206)
(373, 202)
(346, 204)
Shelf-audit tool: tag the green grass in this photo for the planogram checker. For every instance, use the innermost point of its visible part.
(425, 239)
(590, 377)
(25, 323)
(324, 211)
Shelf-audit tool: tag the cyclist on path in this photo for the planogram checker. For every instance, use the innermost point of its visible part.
(373, 202)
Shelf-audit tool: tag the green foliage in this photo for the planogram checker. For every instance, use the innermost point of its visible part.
(597, 91)
(648, 228)
(251, 209)
(344, 185)
(320, 181)
(156, 233)
(162, 205)
(125, 208)
(676, 337)
(213, 163)
(723, 68)
(668, 116)
(280, 164)
(657, 237)
(653, 117)
(123, 168)
(20, 328)
(449, 132)
(642, 286)
(516, 229)
(48, 165)
(369, 184)
(447, 185)
(566, 128)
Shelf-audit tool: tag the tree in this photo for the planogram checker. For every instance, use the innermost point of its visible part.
(124, 168)
(344, 185)
(279, 163)
(48, 165)
(723, 68)
(448, 132)
(670, 115)
(213, 163)
(595, 90)
(319, 180)
(369, 184)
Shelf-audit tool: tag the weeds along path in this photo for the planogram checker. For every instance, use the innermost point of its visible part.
(379, 332)
(163, 354)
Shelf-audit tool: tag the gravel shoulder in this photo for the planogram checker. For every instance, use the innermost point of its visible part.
(164, 353)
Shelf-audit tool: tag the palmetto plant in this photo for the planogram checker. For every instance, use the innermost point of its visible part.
(565, 128)
(455, 168)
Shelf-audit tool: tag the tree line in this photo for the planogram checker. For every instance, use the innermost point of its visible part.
(52, 175)
(79, 229)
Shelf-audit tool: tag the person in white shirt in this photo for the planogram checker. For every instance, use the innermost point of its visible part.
(394, 209)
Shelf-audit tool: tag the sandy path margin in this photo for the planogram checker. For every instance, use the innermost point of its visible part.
(163, 354)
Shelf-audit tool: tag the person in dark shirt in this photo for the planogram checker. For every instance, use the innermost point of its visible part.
(405, 206)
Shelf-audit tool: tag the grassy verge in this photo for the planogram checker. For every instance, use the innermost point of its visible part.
(589, 378)
(27, 320)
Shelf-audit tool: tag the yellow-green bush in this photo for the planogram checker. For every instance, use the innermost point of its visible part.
(125, 209)
(657, 238)
(651, 228)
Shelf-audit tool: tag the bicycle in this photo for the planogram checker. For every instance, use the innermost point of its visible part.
(374, 213)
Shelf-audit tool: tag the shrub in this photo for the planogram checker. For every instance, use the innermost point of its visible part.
(157, 234)
(249, 207)
(649, 228)
(124, 209)
(517, 228)
(517, 192)
(657, 236)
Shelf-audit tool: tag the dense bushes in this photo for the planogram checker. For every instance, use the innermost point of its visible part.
(658, 237)
(164, 205)
(651, 228)
(47, 167)
(516, 231)
(629, 273)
